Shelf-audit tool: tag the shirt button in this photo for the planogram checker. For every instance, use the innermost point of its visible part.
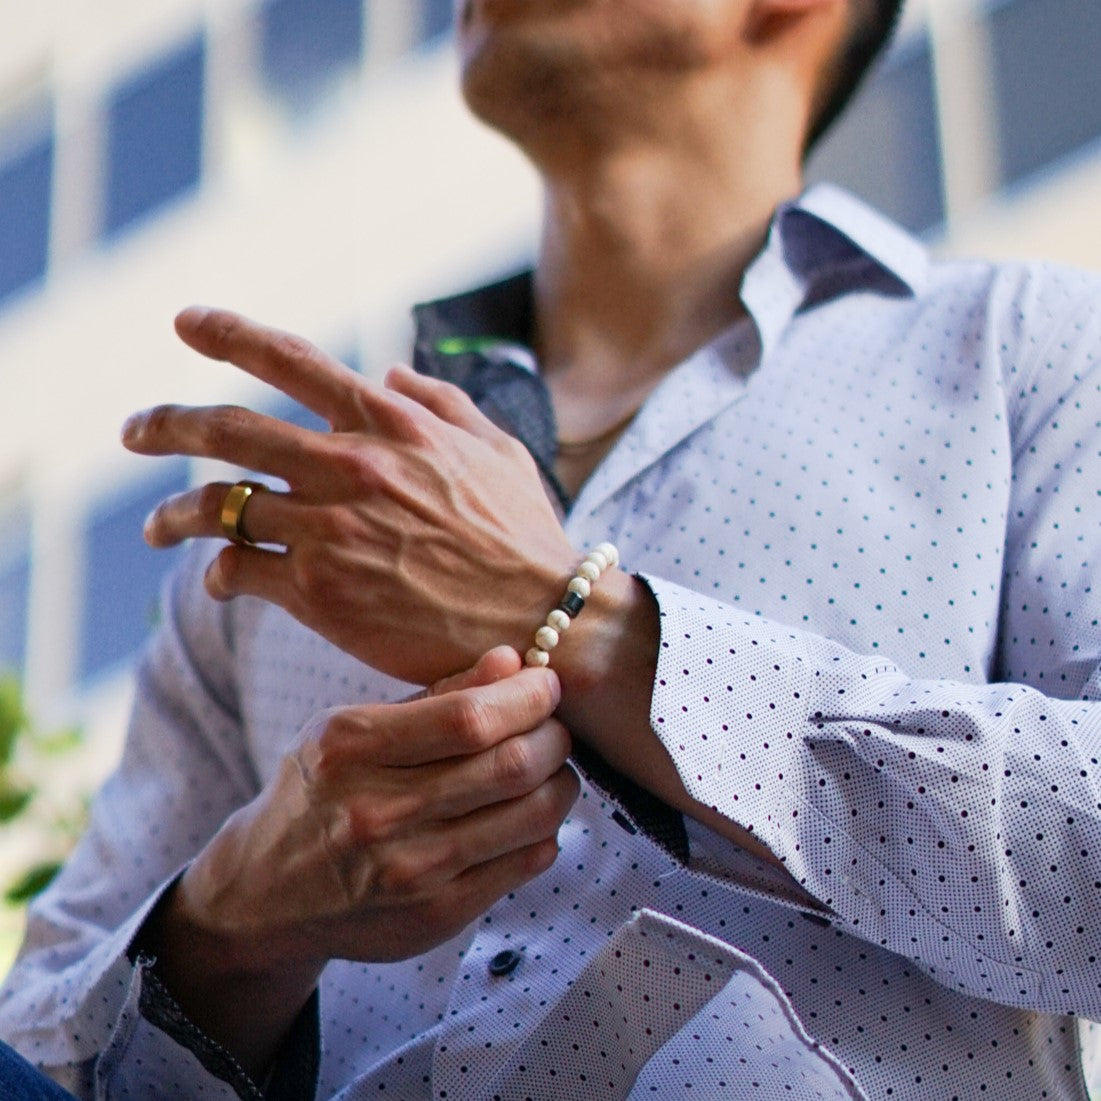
(504, 963)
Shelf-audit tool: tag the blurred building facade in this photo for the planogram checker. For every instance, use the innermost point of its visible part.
(308, 162)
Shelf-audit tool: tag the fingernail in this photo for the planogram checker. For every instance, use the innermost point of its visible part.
(147, 525)
(191, 316)
(395, 372)
(131, 428)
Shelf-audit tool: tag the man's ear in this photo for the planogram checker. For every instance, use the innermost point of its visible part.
(768, 18)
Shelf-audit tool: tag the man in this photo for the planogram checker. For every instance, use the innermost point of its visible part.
(838, 828)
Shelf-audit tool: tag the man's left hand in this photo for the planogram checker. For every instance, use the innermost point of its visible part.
(416, 534)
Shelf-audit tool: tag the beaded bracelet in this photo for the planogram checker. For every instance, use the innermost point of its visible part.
(573, 600)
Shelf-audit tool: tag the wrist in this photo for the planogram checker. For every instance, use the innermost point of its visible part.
(607, 661)
(237, 982)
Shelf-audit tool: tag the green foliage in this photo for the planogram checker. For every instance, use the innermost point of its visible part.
(14, 801)
(24, 804)
(33, 881)
(13, 718)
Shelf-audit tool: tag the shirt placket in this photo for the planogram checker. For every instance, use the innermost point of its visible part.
(520, 961)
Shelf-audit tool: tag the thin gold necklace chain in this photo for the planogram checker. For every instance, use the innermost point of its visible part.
(601, 437)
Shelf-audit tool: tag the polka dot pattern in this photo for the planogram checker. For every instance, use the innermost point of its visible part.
(653, 980)
(869, 516)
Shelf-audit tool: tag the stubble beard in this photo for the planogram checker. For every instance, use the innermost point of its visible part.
(542, 90)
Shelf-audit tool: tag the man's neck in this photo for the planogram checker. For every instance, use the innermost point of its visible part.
(642, 258)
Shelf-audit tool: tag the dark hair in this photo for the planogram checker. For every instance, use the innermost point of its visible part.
(871, 23)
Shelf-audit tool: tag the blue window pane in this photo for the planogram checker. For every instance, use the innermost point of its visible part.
(886, 148)
(154, 137)
(286, 409)
(1047, 80)
(435, 19)
(26, 177)
(123, 576)
(15, 581)
(304, 42)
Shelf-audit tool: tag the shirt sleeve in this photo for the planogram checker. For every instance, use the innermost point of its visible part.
(74, 1002)
(957, 824)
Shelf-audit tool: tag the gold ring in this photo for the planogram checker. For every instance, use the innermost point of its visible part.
(233, 512)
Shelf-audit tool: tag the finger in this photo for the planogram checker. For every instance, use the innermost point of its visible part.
(472, 893)
(419, 866)
(251, 571)
(268, 516)
(481, 886)
(447, 401)
(185, 515)
(496, 830)
(383, 806)
(469, 722)
(288, 362)
(298, 368)
(510, 770)
(232, 434)
(197, 512)
(500, 662)
(442, 911)
(431, 728)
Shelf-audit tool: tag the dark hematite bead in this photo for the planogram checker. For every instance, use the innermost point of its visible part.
(571, 604)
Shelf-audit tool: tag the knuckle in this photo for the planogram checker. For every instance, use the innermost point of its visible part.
(540, 697)
(342, 527)
(221, 425)
(372, 821)
(447, 857)
(514, 764)
(468, 720)
(554, 799)
(356, 467)
(453, 398)
(211, 499)
(312, 572)
(230, 566)
(159, 419)
(330, 525)
(333, 744)
(400, 875)
(540, 856)
(293, 349)
(409, 423)
(217, 328)
(509, 446)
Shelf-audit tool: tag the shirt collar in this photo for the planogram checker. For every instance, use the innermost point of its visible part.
(884, 241)
(821, 245)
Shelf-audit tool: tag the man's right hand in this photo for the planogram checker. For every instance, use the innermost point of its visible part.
(384, 833)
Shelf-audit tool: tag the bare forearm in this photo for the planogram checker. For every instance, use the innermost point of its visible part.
(244, 1005)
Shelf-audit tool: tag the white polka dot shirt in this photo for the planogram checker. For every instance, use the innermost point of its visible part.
(870, 516)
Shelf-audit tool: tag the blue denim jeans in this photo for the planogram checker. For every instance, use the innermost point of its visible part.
(19, 1081)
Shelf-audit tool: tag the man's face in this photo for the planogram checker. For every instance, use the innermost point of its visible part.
(520, 54)
(604, 25)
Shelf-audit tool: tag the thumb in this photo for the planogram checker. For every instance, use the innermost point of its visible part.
(498, 663)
